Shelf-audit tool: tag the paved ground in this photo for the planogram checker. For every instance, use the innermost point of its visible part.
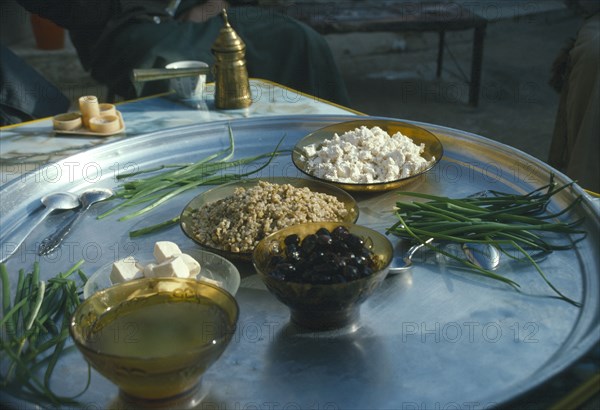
(517, 106)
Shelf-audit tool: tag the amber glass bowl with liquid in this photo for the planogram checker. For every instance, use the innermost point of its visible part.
(154, 338)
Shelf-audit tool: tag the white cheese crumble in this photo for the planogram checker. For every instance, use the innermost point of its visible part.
(364, 156)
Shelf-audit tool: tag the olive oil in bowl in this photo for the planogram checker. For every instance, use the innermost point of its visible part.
(154, 338)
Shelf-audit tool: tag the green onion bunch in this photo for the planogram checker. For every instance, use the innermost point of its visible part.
(506, 221)
(168, 181)
(35, 330)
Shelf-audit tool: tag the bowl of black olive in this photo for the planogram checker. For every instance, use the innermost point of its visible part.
(323, 271)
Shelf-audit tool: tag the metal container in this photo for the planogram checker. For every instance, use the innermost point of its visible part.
(430, 338)
(232, 88)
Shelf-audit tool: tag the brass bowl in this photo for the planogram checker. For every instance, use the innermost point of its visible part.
(323, 306)
(433, 148)
(154, 338)
(222, 191)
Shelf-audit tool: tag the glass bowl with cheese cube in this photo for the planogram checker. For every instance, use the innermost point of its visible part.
(368, 155)
(155, 338)
(166, 260)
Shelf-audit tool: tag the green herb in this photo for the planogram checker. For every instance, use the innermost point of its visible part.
(168, 181)
(506, 221)
(154, 228)
(35, 329)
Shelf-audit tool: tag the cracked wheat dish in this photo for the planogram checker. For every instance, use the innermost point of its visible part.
(238, 222)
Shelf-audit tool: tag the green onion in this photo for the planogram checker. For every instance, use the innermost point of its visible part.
(503, 220)
(153, 228)
(168, 181)
(35, 329)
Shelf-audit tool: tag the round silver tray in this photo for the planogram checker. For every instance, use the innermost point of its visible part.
(429, 338)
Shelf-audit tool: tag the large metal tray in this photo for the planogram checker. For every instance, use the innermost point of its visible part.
(430, 338)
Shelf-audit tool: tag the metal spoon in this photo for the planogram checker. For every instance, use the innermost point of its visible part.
(483, 255)
(51, 202)
(88, 198)
(405, 262)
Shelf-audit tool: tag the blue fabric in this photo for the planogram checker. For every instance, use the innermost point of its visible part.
(24, 93)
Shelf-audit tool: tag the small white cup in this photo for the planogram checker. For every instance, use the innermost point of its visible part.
(188, 87)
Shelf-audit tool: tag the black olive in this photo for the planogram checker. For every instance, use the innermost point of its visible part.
(360, 260)
(292, 240)
(350, 272)
(339, 233)
(355, 243)
(283, 271)
(324, 240)
(365, 271)
(309, 244)
(340, 248)
(286, 268)
(292, 252)
(323, 258)
(323, 231)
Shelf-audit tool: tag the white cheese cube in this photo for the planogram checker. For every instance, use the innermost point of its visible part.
(125, 269)
(148, 270)
(164, 250)
(174, 267)
(192, 264)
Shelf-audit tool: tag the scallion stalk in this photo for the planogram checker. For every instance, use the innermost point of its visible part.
(35, 333)
(504, 220)
(168, 181)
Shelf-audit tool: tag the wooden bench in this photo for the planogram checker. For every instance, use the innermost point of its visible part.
(381, 16)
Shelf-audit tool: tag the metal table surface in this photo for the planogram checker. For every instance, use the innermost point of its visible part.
(430, 338)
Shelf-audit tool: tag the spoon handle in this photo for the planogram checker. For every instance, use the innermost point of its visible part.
(13, 242)
(408, 258)
(53, 241)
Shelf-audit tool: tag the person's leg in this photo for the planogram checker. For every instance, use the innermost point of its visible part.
(583, 107)
(288, 52)
(25, 94)
(576, 140)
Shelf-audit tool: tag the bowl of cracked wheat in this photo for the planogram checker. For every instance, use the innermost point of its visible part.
(232, 218)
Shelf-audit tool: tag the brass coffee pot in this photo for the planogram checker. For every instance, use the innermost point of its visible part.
(232, 88)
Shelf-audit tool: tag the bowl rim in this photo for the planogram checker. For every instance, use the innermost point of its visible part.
(193, 252)
(247, 256)
(353, 124)
(384, 268)
(83, 346)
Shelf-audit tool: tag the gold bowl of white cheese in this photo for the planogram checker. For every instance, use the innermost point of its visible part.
(368, 155)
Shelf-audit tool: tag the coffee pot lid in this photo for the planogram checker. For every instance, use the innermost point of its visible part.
(228, 40)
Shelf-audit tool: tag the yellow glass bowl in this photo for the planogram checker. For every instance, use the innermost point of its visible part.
(154, 338)
(323, 306)
(188, 223)
(433, 148)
